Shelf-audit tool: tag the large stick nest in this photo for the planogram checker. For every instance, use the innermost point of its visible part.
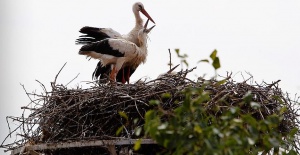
(88, 114)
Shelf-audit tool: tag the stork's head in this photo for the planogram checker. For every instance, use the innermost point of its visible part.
(142, 35)
(139, 7)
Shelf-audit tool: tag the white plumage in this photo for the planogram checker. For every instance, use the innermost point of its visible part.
(97, 34)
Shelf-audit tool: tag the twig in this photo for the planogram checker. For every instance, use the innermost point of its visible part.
(72, 79)
(54, 83)
(274, 83)
(170, 63)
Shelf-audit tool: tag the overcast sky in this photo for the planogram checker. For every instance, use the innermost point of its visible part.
(37, 37)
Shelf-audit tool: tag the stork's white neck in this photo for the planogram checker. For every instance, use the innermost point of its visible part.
(133, 34)
(138, 19)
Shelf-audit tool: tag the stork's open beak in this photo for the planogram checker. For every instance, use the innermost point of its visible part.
(148, 30)
(146, 24)
(145, 27)
(147, 15)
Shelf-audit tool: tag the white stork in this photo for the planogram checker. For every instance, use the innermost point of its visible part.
(96, 34)
(118, 52)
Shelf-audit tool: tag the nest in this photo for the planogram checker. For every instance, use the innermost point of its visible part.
(66, 115)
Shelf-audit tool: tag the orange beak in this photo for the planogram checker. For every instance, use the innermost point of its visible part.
(147, 15)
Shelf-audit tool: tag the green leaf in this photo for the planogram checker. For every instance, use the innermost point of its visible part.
(221, 82)
(248, 97)
(250, 120)
(278, 99)
(185, 62)
(255, 105)
(177, 51)
(293, 132)
(274, 142)
(250, 141)
(154, 102)
(274, 119)
(123, 114)
(238, 140)
(119, 130)
(283, 110)
(237, 120)
(166, 95)
(149, 114)
(213, 55)
(234, 110)
(166, 142)
(138, 131)
(208, 144)
(170, 132)
(162, 126)
(198, 129)
(135, 121)
(203, 60)
(137, 145)
(291, 152)
(216, 63)
(217, 132)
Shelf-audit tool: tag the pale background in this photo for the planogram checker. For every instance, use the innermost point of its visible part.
(37, 37)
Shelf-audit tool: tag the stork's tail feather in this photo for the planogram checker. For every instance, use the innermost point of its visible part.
(92, 34)
(87, 49)
(88, 29)
(85, 39)
(84, 52)
(101, 71)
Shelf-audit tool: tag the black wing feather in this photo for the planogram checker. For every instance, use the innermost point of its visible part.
(102, 47)
(93, 34)
(101, 72)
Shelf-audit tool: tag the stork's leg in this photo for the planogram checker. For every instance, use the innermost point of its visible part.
(123, 76)
(113, 74)
(128, 75)
(119, 65)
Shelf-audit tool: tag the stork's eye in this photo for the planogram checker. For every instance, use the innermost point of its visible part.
(141, 7)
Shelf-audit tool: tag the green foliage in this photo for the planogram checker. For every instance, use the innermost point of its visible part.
(182, 57)
(199, 126)
(190, 129)
(213, 56)
(120, 129)
(215, 60)
(137, 145)
(123, 114)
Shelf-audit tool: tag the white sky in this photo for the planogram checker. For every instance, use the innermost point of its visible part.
(37, 38)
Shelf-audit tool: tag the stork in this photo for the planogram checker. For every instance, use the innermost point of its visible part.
(119, 52)
(96, 34)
